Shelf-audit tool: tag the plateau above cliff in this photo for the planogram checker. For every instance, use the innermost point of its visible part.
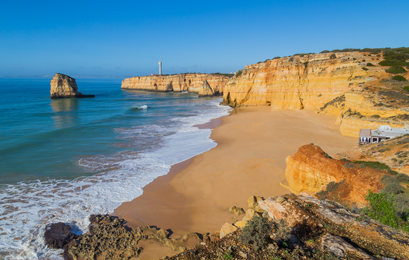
(191, 82)
(364, 89)
(63, 86)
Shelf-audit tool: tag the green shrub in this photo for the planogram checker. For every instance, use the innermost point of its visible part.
(363, 60)
(382, 207)
(387, 179)
(369, 64)
(399, 78)
(378, 166)
(275, 58)
(354, 59)
(402, 177)
(396, 70)
(333, 56)
(228, 255)
(406, 88)
(393, 188)
(349, 165)
(283, 231)
(257, 232)
(238, 73)
(365, 68)
(402, 206)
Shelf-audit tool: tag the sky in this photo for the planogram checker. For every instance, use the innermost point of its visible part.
(127, 38)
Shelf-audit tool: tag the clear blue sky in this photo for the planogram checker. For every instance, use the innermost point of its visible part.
(126, 38)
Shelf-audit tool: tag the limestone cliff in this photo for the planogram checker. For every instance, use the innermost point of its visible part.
(349, 85)
(297, 82)
(63, 86)
(177, 83)
(311, 169)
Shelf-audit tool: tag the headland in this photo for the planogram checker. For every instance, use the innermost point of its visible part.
(201, 83)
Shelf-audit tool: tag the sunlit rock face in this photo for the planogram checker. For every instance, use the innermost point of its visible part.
(340, 84)
(178, 83)
(63, 86)
(311, 169)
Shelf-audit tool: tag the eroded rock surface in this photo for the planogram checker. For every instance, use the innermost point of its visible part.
(311, 169)
(306, 211)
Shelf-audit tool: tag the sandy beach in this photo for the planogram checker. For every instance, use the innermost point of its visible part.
(249, 159)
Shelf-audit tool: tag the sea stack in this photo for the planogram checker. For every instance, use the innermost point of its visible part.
(63, 86)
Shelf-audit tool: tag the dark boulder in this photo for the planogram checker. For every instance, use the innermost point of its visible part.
(57, 235)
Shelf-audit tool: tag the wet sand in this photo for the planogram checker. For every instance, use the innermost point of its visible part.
(248, 160)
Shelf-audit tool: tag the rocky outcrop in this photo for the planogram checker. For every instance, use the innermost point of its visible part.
(311, 169)
(316, 229)
(63, 86)
(109, 238)
(333, 218)
(194, 82)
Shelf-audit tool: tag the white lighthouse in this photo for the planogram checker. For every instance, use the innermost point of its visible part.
(160, 66)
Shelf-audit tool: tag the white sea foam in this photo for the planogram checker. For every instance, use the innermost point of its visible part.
(143, 107)
(26, 208)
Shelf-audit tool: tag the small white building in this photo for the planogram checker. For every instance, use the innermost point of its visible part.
(384, 132)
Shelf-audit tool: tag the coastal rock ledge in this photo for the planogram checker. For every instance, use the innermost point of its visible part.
(63, 86)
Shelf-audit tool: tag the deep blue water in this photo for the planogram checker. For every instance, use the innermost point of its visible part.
(57, 156)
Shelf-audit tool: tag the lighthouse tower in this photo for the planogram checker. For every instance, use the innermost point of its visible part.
(160, 66)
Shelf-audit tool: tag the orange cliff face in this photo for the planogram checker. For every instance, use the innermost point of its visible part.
(297, 82)
(340, 84)
(311, 169)
(177, 83)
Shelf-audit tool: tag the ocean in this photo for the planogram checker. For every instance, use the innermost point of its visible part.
(62, 160)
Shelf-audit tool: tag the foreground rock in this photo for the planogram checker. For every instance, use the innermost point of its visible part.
(109, 238)
(205, 84)
(63, 86)
(311, 169)
(318, 230)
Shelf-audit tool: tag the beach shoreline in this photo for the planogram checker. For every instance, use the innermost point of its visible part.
(249, 159)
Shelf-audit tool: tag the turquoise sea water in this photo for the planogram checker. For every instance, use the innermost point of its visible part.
(64, 159)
